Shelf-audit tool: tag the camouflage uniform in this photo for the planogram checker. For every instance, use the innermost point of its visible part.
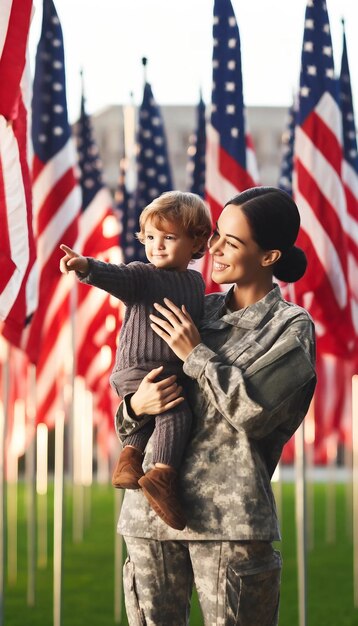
(252, 381)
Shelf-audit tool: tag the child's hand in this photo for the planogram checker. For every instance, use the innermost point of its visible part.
(73, 261)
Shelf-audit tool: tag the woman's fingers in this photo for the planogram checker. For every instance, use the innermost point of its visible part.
(160, 326)
(152, 375)
(171, 312)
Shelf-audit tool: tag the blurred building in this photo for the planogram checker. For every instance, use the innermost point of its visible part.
(266, 125)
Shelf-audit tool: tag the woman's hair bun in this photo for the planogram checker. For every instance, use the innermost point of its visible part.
(291, 266)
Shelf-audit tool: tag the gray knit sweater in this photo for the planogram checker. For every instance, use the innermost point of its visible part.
(139, 285)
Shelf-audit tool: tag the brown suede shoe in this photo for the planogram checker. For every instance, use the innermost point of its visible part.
(160, 487)
(128, 469)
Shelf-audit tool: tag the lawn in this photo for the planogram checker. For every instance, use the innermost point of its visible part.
(88, 567)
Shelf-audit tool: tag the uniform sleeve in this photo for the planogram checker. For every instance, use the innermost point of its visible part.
(265, 395)
(125, 422)
(128, 283)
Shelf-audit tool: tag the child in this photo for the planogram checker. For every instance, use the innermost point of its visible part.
(174, 229)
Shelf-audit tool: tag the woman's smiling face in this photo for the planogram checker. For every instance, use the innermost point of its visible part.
(237, 258)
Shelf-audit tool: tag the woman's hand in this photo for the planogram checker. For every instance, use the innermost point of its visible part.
(73, 261)
(152, 397)
(179, 332)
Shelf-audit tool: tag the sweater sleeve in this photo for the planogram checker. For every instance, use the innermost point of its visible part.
(128, 283)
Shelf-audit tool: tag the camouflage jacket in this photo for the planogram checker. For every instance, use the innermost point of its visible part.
(252, 380)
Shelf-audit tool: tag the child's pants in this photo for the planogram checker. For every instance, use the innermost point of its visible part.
(238, 583)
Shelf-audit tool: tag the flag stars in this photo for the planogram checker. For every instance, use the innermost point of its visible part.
(327, 50)
(311, 70)
(231, 65)
(234, 132)
(305, 91)
(58, 131)
(309, 24)
(56, 43)
(232, 42)
(230, 109)
(330, 73)
(57, 87)
(42, 138)
(57, 65)
(308, 46)
(232, 21)
(58, 108)
(230, 86)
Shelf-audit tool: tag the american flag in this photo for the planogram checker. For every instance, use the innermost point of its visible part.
(97, 314)
(350, 183)
(57, 202)
(318, 189)
(153, 171)
(230, 159)
(197, 151)
(17, 292)
(350, 178)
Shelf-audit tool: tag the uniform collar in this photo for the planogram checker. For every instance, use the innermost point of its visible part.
(249, 317)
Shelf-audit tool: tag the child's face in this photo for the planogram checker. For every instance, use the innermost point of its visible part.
(167, 246)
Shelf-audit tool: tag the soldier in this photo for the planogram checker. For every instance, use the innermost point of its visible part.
(252, 369)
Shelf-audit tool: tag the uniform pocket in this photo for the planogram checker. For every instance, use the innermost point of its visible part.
(253, 592)
(135, 614)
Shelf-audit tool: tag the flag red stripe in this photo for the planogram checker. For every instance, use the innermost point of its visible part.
(324, 140)
(232, 171)
(13, 57)
(57, 196)
(323, 210)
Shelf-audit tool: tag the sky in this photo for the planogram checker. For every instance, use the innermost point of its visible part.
(108, 38)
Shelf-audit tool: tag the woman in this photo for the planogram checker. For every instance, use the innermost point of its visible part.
(252, 370)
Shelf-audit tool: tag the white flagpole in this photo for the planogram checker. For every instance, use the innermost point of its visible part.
(4, 408)
(332, 452)
(41, 489)
(276, 482)
(58, 519)
(301, 524)
(78, 493)
(355, 485)
(15, 449)
(30, 486)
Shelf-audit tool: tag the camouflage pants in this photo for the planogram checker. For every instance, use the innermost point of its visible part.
(238, 583)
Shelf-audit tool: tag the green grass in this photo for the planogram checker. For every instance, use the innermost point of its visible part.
(88, 568)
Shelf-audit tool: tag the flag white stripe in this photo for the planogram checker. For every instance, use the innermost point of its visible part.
(52, 173)
(61, 220)
(218, 187)
(324, 249)
(326, 177)
(16, 214)
(329, 111)
(94, 214)
(6, 6)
